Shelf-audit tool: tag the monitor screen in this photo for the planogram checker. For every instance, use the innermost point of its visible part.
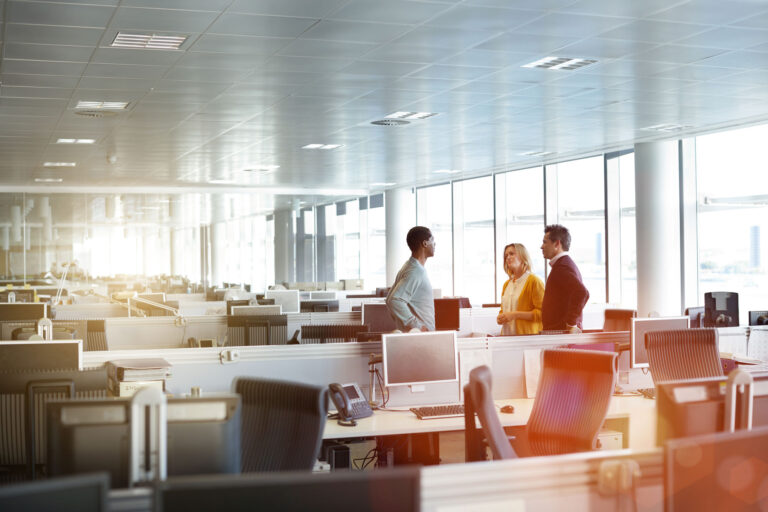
(758, 318)
(94, 435)
(239, 302)
(447, 314)
(362, 491)
(419, 358)
(22, 311)
(288, 299)
(725, 471)
(256, 310)
(82, 493)
(319, 306)
(721, 309)
(41, 355)
(378, 318)
(640, 326)
(695, 316)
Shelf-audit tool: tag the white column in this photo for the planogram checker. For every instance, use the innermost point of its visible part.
(219, 214)
(177, 239)
(400, 207)
(285, 246)
(658, 228)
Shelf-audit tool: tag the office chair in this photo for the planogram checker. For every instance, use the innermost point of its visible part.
(618, 319)
(572, 400)
(283, 424)
(683, 354)
(331, 333)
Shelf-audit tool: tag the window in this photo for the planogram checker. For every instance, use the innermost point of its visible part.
(473, 239)
(622, 252)
(373, 254)
(434, 210)
(733, 214)
(519, 218)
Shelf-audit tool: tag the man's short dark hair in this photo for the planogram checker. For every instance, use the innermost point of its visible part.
(417, 235)
(558, 232)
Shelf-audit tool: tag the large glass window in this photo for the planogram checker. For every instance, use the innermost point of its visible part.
(348, 240)
(519, 218)
(473, 239)
(373, 254)
(581, 209)
(622, 271)
(434, 210)
(733, 214)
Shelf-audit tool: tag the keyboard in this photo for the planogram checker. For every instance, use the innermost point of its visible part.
(438, 411)
(648, 392)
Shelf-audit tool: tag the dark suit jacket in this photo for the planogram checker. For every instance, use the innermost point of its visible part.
(564, 296)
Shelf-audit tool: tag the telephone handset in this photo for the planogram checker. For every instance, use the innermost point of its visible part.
(350, 402)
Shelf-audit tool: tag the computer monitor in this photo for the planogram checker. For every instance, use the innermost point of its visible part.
(23, 311)
(721, 309)
(419, 358)
(382, 292)
(697, 406)
(42, 355)
(19, 295)
(322, 295)
(725, 471)
(641, 326)
(256, 310)
(695, 317)
(288, 299)
(758, 318)
(319, 306)
(395, 489)
(378, 318)
(265, 302)
(82, 493)
(94, 435)
(238, 302)
(447, 314)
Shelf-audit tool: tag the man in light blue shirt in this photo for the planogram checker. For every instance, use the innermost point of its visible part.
(410, 299)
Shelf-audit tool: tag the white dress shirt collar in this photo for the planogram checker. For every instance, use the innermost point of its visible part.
(553, 260)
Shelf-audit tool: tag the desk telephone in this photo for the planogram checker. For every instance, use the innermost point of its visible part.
(350, 402)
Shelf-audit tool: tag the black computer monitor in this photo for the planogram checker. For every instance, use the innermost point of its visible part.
(695, 317)
(447, 314)
(419, 358)
(721, 309)
(725, 471)
(362, 491)
(378, 318)
(41, 355)
(319, 306)
(82, 493)
(94, 435)
(23, 311)
(697, 406)
(638, 329)
(758, 318)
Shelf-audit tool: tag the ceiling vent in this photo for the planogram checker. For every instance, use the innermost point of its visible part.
(390, 122)
(95, 113)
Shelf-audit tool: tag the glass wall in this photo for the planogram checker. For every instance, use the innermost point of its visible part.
(434, 210)
(474, 251)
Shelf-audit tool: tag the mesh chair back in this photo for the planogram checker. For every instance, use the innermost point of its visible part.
(96, 335)
(683, 354)
(283, 424)
(478, 399)
(572, 399)
(618, 319)
(331, 333)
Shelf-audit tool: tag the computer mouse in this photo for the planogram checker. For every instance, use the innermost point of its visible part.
(508, 409)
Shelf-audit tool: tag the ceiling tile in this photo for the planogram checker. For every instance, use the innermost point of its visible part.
(47, 52)
(484, 18)
(538, 44)
(41, 34)
(301, 8)
(319, 48)
(714, 12)
(45, 13)
(570, 25)
(628, 9)
(134, 56)
(124, 71)
(445, 37)
(678, 54)
(253, 25)
(38, 67)
(355, 32)
(405, 53)
(654, 31)
(392, 11)
(728, 38)
(170, 20)
(240, 44)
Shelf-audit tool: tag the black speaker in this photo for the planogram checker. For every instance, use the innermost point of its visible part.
(338, 457)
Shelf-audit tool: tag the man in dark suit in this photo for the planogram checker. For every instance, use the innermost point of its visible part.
(564, 294)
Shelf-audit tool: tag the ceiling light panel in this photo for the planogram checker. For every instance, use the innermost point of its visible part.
(75, 141)
(411, 115)
(148, 41)
(322, 146)
(565, 63)
(102, 105)
(48, 180)
(59, 164)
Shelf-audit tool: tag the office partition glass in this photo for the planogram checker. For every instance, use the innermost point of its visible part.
(519, 218)
(474, 240)
(732, 215)
(581, 209)
(434, 209)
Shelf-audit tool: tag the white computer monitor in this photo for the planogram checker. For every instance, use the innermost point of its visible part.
(276, 309)
(641, 326)
(420, 358)
(288, 299)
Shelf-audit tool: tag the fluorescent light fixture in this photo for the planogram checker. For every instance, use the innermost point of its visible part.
(262, 168)
(221, 182)
(102, 105)
(322, 146)
(566, 63)
(59, 164)
(411, 115)
(48, 180)
(537, 153)
(667, 127)
(75, 141)
(387, 184)
(148, 41)
(447, 171)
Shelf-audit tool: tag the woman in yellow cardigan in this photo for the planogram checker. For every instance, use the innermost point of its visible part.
(521, 295)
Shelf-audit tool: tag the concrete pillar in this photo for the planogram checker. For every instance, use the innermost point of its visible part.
(285, 246)
(658, 228)
(400, 208)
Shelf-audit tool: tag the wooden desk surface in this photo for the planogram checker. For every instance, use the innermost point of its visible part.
(640, 412)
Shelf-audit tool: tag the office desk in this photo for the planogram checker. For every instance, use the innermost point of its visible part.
(633, 415)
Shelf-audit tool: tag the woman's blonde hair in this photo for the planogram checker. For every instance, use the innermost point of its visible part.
(522, 253)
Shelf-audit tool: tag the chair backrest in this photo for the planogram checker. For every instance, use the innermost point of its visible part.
(334, 333)
(478, 398)
(572, 399)
(618, 319)
(283, 424)
(683, 354)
